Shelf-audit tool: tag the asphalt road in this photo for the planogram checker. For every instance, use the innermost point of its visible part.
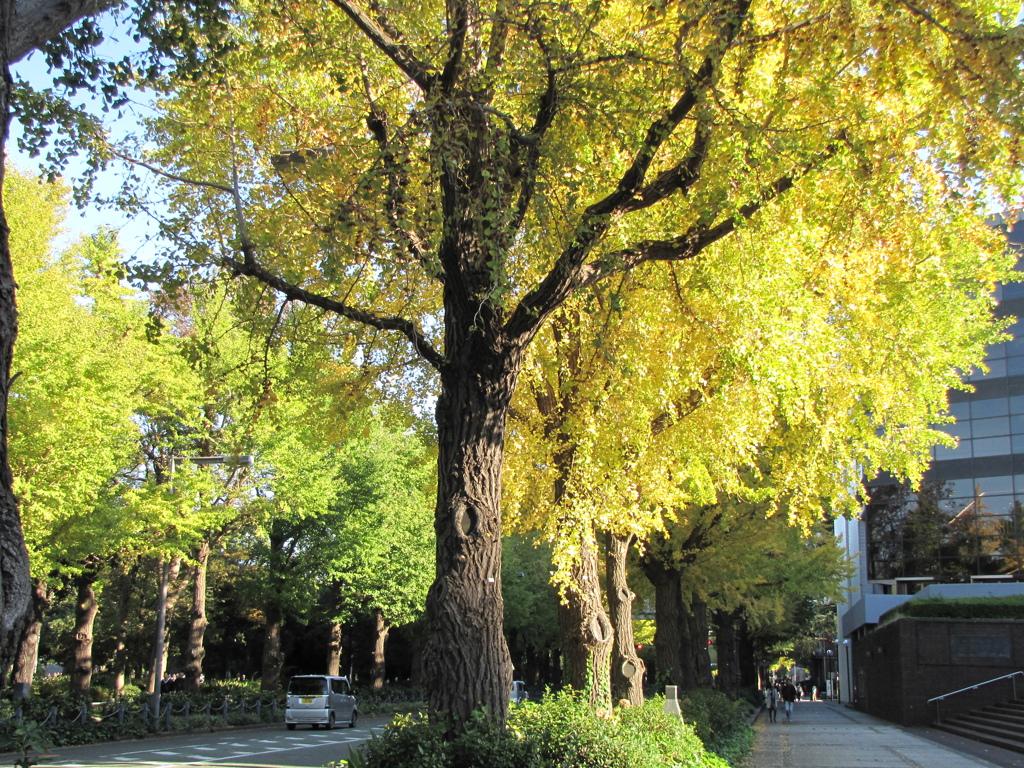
(269, 746)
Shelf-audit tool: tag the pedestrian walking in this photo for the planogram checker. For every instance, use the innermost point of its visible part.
(771, 702)
(789, 696)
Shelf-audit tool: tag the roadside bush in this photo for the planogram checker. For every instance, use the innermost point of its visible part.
(391, 699)
(562, 731)
(719, 722)
(1010, 607)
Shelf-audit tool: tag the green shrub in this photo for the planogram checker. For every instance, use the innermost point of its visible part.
(965, 608)
(719, 722)
(561, 731)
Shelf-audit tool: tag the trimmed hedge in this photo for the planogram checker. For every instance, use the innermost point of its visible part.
(963, 608)
(563, 731)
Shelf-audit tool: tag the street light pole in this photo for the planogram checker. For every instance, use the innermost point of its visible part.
(161, 616)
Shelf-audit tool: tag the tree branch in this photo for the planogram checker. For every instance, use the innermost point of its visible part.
(697, 238)
(395, 197)
(173, 177)
(569, 272)
(546, 111)
(676, 179)
(250, 268)
(417, 71)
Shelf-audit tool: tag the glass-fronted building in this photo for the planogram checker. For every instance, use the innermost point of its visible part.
(963, 531)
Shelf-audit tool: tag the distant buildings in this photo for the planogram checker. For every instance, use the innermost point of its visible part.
(963, 533)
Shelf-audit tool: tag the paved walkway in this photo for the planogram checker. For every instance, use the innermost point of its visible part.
(824, 734)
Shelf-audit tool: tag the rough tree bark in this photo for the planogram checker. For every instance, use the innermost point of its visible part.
(86, 608)
(125, 584)
(380, 639)
(28, 651)
(670, 621)
(585, 630)
(334, 649)
(628, 669)
(466, 662)
(273, 657)
(727, 646)
(196, 651)
(15, 580)
(695, 653)
(36, 21)
(169, 596)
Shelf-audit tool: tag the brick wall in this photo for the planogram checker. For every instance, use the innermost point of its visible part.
(900, 665)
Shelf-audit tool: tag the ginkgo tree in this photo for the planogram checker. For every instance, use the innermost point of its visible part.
(769, 386)
(82, 369)
(451, 174)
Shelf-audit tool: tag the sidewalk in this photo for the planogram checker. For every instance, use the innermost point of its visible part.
(824, 734)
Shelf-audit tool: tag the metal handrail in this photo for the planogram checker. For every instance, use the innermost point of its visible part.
(937, 699)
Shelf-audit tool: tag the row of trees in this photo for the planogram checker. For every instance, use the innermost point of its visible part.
(700, 262)
(114, 394)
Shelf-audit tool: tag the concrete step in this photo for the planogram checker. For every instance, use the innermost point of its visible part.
(982, 724)
(972, 732)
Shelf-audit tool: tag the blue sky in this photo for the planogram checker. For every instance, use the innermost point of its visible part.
(134, 234)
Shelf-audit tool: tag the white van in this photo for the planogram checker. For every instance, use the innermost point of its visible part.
(320, 700)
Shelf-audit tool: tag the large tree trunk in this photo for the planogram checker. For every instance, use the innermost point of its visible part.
(380, 639)
(273, 657)
(15, 581)
(196, 651)
(746, 656)
(85, 616)
(467, 664)
(585, 630)
(334, 649)
(125, 581)
(167, 596)
(28, 651)
(669, 620)
(727, 647)
(696, 658)
(627, 673)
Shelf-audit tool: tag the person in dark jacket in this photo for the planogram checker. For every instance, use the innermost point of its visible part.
(789, 696)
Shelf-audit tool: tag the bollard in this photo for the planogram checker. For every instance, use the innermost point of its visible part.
(225, 710)
(120, 714)
(206, 710)
(167, 718)
(672, 702)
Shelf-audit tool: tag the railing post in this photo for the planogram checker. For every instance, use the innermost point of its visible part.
(225, 710)
(120, 714)
(167, 718)
(208, 708)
